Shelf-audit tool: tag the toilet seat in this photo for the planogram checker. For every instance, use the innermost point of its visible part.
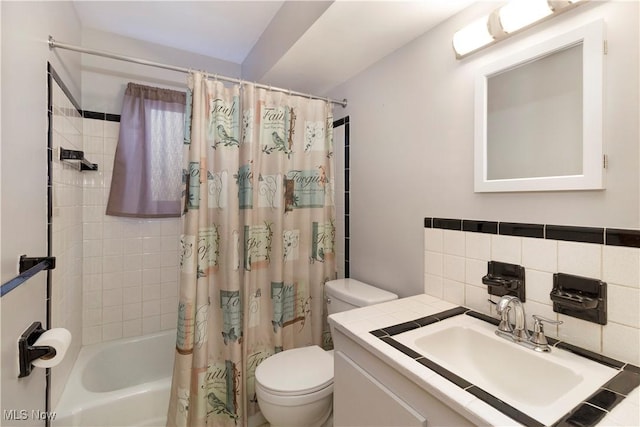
(296, 372)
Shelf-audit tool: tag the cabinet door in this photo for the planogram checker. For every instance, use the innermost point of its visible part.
(359, 400)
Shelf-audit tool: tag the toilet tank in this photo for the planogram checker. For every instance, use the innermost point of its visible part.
(347, 294)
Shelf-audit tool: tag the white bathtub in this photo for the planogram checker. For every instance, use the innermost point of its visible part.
(120, 383)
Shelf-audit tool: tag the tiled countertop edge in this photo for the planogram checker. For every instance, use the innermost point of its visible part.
(587, 413)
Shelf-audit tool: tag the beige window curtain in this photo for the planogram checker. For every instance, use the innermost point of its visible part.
(147, 169)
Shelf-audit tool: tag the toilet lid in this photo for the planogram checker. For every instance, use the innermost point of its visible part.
(296, 371)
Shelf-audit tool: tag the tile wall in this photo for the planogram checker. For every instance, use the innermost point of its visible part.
(130, 266)
(342, 194)
(456, 259)
(66, 221)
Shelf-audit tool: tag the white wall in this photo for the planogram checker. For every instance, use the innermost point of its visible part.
(25, 29)
(105, 80)
(412, 144)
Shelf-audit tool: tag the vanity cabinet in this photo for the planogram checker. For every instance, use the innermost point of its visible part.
(368, 392)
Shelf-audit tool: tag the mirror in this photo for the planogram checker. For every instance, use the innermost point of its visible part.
(538, 120)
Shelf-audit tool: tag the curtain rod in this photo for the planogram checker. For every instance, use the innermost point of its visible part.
(54, 44)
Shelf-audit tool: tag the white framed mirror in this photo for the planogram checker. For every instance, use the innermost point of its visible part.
(538, 116)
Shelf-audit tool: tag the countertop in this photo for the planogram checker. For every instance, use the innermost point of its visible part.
(358, 323)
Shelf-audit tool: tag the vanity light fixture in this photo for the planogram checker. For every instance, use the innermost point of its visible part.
(473, 36)
(518, 14)
(502, 23)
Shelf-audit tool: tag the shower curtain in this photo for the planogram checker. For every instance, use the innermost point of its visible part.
(257, 244)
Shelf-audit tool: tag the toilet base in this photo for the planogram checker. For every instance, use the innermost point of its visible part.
(313, 414)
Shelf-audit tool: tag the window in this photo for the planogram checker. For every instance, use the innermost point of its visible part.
(147, 170)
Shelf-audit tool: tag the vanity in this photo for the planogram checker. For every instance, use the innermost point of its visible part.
(393, 369)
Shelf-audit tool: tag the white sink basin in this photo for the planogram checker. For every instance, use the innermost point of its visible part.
(544, 386)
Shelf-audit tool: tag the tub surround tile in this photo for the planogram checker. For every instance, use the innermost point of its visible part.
(137, 256)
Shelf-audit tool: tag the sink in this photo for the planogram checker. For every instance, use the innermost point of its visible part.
(544, 386)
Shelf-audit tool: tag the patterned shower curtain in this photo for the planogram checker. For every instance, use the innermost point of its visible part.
(257, 244)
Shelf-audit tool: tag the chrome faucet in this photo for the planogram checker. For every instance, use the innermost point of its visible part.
(519, 332)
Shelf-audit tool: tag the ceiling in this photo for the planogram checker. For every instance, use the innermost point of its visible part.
(345, 39)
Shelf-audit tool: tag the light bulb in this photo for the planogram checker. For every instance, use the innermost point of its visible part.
(519, 13)
(472, 37)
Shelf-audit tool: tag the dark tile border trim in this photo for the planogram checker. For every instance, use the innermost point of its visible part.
(522, 230)
(598, 235)
(447, 223)
(587, 413)
(347, 190)
(489, 227)
(101, 116)
(575, 234)
(617, 237)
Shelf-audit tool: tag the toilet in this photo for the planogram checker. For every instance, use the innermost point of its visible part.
(295, 387)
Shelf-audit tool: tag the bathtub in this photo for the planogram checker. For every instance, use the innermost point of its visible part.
(119, 383)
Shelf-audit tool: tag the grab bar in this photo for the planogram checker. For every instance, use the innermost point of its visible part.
(29, 267)
(85, 165)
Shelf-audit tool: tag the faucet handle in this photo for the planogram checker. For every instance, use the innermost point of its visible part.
(538, 336)
(537, 326)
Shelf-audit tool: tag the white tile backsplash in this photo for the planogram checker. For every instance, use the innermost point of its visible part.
(624, 305)
(540, 254)
(453, 268)
(458, 279)
(506, 249)
(453, 242)
(580, 259)
(621, 265)
(433, 263)
(539, 285)
(433, 239)
(478, 246)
